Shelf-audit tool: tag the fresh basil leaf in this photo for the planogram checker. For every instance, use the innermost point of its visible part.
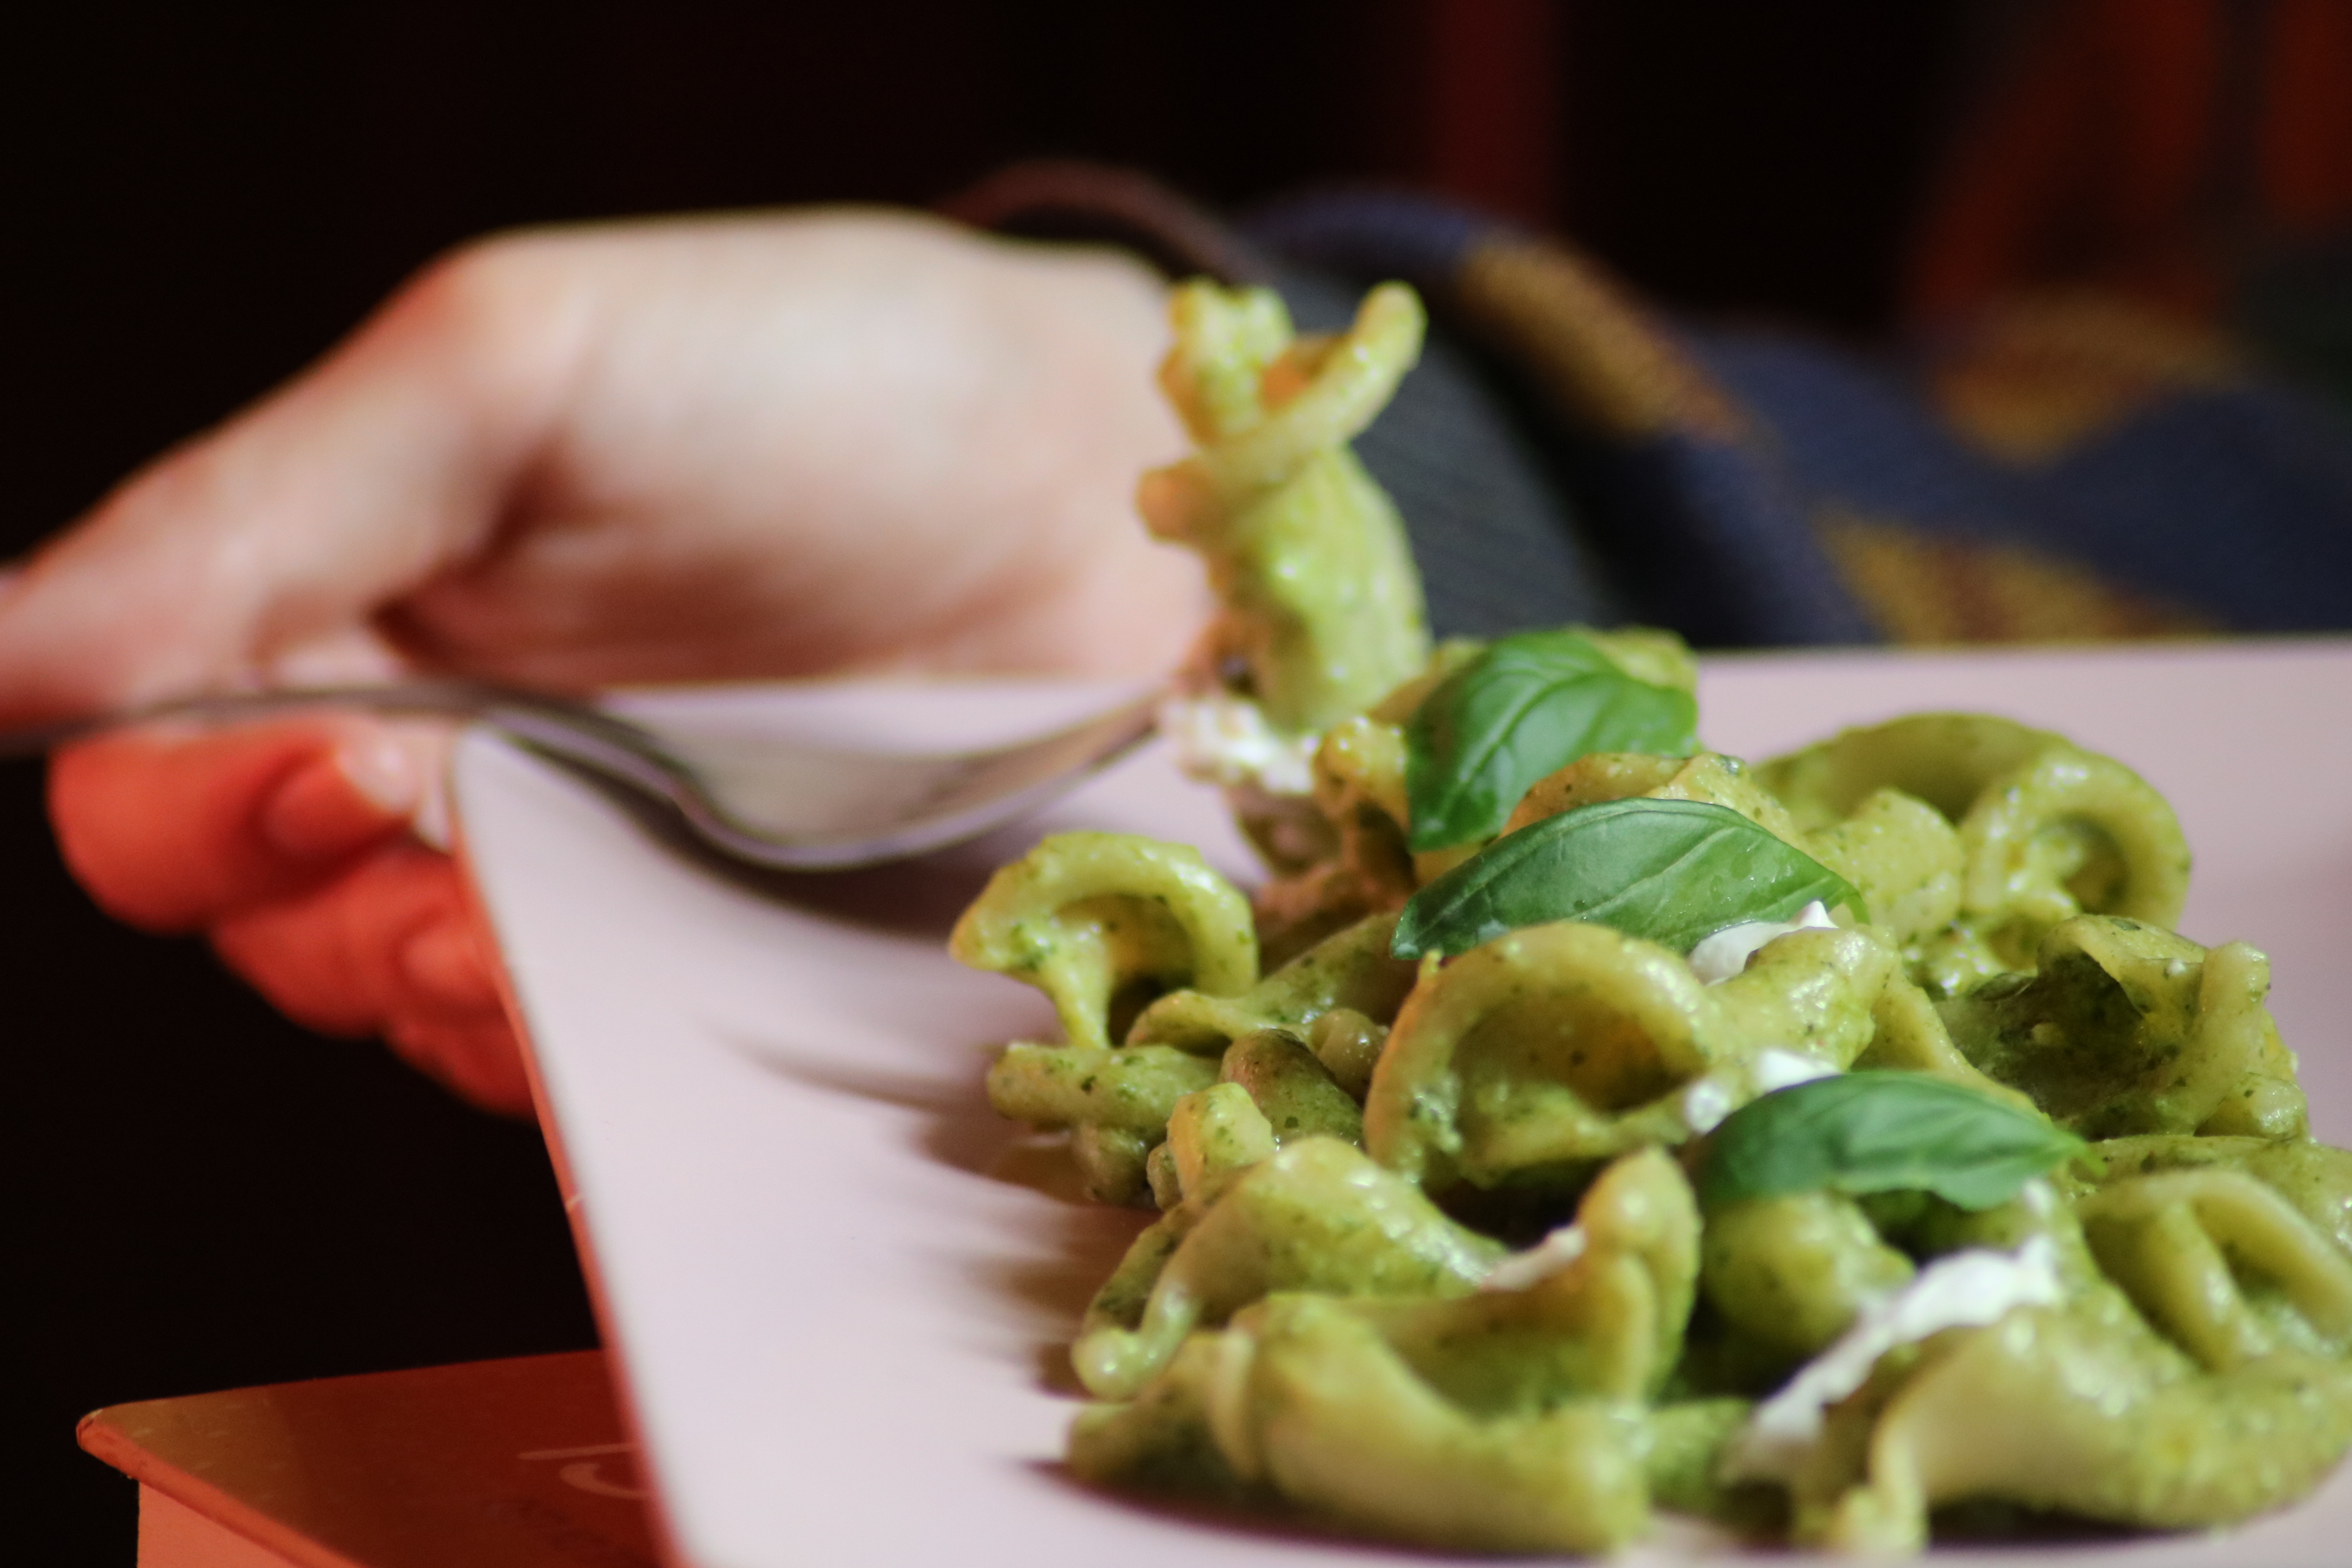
(1528, 706)
(1673, 871)
(1880, 1132)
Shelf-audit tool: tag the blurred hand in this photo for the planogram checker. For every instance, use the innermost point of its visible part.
(696, 449)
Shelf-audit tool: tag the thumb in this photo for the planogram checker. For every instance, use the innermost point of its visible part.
(288, 527)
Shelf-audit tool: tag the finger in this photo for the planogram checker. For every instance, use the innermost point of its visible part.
(354, 954)
(479, 1063)
(292, 525)
(447, 965)
(173, 830)
(389, 948)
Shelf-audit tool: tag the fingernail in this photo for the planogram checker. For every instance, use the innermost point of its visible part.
(479, 1063)
(430, 820)
(331, 806)
(445, 963)
(381, 769)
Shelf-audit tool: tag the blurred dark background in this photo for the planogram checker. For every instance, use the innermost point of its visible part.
(199, 200)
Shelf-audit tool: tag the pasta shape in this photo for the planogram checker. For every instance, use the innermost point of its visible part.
(1363, 867)
(2190, 1247)
(1350, 969)
(1557, 1045)
(2315, 1178)
(2046, 831)
(1318, 1216)
(1292, 1090)
(1071, 1086)
(2082, 1409)
(1605, 775)
(1308, 555)
(1085, 915)
(2123, 1028)
(1560, 1045)
(1305, 1401)
(1507, 1420)
(1792, 1273)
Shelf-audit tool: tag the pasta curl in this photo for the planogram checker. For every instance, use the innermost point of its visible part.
(2123, 1028)
(1085, 915)
(2046, 831)
(1274, 487)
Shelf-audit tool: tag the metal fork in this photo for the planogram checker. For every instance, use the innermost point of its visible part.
(770, 802)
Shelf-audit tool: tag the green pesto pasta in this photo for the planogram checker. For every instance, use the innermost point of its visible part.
(1321, 599)
(1085, 915)
(1979, 1187)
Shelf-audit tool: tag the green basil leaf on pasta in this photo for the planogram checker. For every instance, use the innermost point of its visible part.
(1672, 871)
(1880, 1132)
(1528, 706)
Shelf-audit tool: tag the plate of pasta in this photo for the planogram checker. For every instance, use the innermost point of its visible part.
(1551, 1095)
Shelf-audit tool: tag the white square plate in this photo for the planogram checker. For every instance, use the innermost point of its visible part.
(840, 1288)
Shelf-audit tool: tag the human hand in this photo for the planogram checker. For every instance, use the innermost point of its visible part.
(694, 449)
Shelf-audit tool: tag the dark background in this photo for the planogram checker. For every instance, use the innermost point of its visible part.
(199, 201)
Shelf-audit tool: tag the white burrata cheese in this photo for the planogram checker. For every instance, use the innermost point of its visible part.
(1719, 957)
(1776, 1069)
(1711, 1099)
(1961, 1289)
(1225, 739)
(1706, 1102)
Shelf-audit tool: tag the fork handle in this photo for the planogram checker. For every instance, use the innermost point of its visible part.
(455, 698)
